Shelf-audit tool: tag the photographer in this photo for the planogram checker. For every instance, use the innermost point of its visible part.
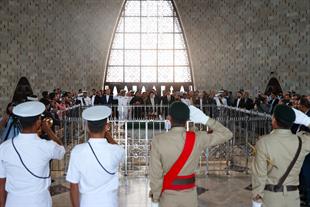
(260, 103)
(7, 122)
(24, 160)
(50, 119)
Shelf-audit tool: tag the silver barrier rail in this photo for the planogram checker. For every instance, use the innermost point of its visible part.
(136, 136)
(159, 112)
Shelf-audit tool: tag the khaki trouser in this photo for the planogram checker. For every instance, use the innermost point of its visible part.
(184, 198)
(281, 199)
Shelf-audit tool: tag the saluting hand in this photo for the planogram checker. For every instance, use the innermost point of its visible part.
(197, 116)
(301, 118)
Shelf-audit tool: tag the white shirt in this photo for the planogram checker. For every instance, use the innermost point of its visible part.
(93, 100)
(168, 98)
(23, 188)
(238, 102)
(97, 187)
(87, 101)
(152, 99)
(217, 101)
(107, 98)
(224, 101)
(122, 101)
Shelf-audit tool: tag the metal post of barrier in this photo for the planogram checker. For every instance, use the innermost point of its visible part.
(126, 148)
(227, 154)
(78, 129)
(64, 121)
(85, 131)
(71, 131)
(246, 146)
(147, 147)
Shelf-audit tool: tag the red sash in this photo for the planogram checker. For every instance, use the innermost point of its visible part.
(172, 174)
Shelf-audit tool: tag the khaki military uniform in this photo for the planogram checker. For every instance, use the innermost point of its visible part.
(274, 153)
(166, 149)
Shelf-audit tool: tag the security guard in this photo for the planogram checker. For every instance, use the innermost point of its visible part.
(93, 165)
(24, 160)
(278, 160)
(175, 156)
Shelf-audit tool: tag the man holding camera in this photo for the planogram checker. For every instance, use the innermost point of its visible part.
(24, 160)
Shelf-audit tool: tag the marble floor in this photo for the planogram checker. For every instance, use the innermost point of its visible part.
(222, 191)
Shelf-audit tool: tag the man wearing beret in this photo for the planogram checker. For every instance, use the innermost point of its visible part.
(278, 160)
(175, 156)
(93, 165)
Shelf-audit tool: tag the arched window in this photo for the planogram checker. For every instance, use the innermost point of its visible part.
(148, 47)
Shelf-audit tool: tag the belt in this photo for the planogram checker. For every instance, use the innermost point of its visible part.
(274, 188)
(183, 182)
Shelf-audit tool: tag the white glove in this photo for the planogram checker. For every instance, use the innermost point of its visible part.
(154, 204)
(256, 204)
(197, 116)
(301, 118)
(167, 125)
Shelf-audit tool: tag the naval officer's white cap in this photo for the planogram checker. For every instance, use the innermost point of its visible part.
(96, 113)
(29, 109)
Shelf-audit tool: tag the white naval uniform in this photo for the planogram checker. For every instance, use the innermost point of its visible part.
(97, 187)
(123, 109)
(25, 190)
(87, 101)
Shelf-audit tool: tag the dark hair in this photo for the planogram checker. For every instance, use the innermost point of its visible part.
(65, 94)
(180, 123)
(96, 126)
(45, 94)
(52, 96)
(45, 101)
(304, 102)
(27, 122)
(283, 125)
(8, 106)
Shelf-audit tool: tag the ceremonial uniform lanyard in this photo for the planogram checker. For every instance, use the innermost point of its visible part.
(21, 160)
(110, 173)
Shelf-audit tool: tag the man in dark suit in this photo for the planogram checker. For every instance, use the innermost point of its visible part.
(107, 98)
(138, 109)
(248, 102)
(166, 100)
(239, 101)
(95, 97)
(273, 102)
(152, 104)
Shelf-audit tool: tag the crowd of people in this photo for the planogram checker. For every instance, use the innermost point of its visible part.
(60, 100)
(153, 104)
(136, 104)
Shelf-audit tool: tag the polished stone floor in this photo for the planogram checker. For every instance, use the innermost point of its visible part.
(222, 191)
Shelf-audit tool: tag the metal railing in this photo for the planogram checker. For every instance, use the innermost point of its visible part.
(136, 136)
